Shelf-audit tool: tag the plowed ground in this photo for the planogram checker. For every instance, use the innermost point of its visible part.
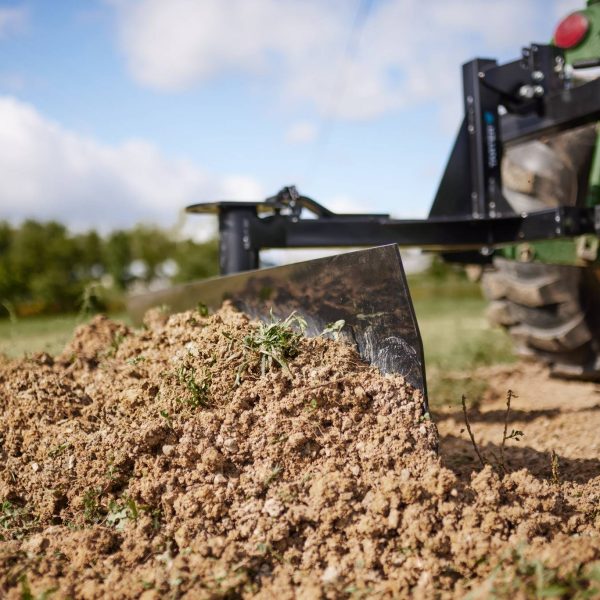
(183, 461)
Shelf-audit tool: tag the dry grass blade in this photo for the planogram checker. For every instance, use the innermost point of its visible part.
(509, 396)
(468, 426)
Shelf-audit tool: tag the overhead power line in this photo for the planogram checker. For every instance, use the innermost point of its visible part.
(339, 87)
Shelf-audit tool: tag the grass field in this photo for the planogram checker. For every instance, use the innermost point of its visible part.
(456, 336)
(457, 340)
(35, 334)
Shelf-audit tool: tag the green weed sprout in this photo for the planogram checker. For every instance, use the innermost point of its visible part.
(275, 342)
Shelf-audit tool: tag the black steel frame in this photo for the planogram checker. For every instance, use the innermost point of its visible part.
(504, 104)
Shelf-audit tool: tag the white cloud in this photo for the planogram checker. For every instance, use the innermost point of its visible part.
(302, 132)
(408, 52)
(12, 20)
(48, 172)
(345, 204)
(171, 45)
(240, 187)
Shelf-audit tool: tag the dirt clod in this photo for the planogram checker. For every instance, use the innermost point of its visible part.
(177, 461)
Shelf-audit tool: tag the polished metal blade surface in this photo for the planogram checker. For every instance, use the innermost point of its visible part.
(366, 288)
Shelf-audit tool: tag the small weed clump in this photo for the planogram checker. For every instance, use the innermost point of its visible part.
(119, 515)
(272, 476)
(27, 594)
(167, 417)
(115, 513)
(198, 389)
(202, 309)
(136, 360)
(91, 300)
(59, 449)
(92, 509)
(334, 329)
(518, 576)
(115, 343)
(16, 522)
(274, 343)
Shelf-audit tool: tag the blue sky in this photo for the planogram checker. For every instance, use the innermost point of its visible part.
(119, 111)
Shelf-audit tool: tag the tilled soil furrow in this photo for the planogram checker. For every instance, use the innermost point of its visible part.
(209, 457)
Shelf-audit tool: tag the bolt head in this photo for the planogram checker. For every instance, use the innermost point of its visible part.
(537, 76)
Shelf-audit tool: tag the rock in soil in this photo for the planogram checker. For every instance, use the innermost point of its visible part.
(178, 461)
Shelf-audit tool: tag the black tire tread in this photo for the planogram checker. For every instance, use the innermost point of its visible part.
(547, 310)
(551, 311)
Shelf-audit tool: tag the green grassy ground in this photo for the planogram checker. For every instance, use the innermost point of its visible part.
(457, 340)
(456, 336)
(36, 334)
(39, 334)
(451, 318)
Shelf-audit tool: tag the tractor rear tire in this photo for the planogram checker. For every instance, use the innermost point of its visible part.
(551, 312)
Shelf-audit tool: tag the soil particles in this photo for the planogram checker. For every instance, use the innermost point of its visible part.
(216, 457)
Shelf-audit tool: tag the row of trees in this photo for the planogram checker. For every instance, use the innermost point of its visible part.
(45, 268)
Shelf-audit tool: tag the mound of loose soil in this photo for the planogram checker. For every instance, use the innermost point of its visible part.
(179, 461)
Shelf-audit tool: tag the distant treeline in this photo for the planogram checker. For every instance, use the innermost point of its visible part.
(45, 268)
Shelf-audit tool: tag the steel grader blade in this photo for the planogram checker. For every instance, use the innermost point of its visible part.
(365, 288)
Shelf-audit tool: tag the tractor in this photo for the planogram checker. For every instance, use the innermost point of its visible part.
(519, 198)
(547, 293)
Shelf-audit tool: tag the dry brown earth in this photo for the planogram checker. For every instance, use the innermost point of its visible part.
(555, 415)
(164, 463)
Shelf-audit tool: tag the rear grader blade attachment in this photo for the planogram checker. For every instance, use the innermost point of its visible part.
(366, 289)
